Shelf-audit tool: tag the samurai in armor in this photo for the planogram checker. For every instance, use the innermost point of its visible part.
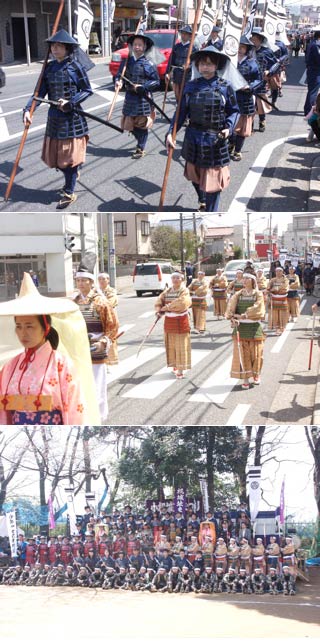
(178, 59)
(288, 581)
(141, 78)
(65, 81)
(185, 580)
(59, 577)
(120, 579)
(208, 579)
(243, 582)
(210, 104)
(246, 309)
(83, 577)
(173, 578)
(265, 59)
(109, 579)
(273, 581)
(34, 574)
(43, 576)
(218, 583)
(96, 578)
(197, 581)
(215, 40)
(258, 581)
(230, 581)
(250, 70)
(160, 581)
(131, 579)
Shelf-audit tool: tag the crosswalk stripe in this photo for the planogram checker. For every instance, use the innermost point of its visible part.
(282, 339)
(158, 382)
(147, 314)
(217, 387)
(125, 328)
(133, 362)
(4, 132)
(238, 414)
(107, 94)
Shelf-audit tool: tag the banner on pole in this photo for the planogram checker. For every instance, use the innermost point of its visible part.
(270, 21)
(208, 20)
(52, 522)
(204, 493)
(232, 33)
(84, 23)
(254, 480)
(281, 25)
(71, 512)
(282, 503)
(12, 532)
(249, 26)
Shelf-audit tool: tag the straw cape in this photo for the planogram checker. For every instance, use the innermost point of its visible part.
(67, 320)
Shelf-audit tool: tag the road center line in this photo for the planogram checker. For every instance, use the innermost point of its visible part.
(238, 414)
(158, 382)
(217, 387)
(244, 194)
(282, 339)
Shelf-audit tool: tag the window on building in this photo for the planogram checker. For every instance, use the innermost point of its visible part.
(145, 228)
(120, 228)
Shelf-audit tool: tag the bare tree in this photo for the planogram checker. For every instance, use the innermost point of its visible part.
(313, 439)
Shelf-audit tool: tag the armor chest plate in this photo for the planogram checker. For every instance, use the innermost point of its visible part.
(60, 84)
(206, 108)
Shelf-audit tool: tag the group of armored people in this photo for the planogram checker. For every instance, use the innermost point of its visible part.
(218, 117)
(135, 552)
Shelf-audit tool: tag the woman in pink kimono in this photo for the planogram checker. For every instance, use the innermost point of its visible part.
(39, 386)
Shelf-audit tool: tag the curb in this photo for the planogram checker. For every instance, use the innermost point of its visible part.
(314, 191)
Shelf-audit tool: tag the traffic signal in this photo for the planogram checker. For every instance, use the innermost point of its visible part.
(68, 242)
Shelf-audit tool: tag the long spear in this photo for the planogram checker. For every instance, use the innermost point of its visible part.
(311, 341)
(173, 43)
(117, 90)
(55, 103)
(33, 105)
(148, 99)
(148, 333)
(175, 126)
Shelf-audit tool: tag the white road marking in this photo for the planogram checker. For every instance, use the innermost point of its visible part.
(22, 95)
(238, 414)
(125, 328)
(107, 94)
(282, 339)
(217, 387)
(244, 194)
(133, 362)
(147, 315)
(4, 132)
(303, 78)
(158, 382)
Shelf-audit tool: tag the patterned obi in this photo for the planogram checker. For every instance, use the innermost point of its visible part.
(176, 323)
(292, 293)
(279, 301)
(94, 329)
(248, 329)
(237, 286)
(37, 418)
(219, 293)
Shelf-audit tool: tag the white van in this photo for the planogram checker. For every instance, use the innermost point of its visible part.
(152, 277)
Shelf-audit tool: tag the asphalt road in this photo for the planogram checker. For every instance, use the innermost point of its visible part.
(274, 174)
(141, 390)
(34, 613)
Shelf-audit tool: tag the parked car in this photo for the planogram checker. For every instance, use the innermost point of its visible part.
(94, 44)
(2, 78)
(152, 277)
(162, 38)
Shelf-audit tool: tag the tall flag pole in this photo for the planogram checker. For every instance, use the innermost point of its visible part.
(282, 503)
(249, 26)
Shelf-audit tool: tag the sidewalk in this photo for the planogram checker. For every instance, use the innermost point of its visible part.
(124, 284)
(15, 68)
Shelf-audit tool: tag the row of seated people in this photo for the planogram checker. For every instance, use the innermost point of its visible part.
(91, 552)
(177, 579)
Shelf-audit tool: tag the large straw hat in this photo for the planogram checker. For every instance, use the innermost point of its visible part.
(31, 303)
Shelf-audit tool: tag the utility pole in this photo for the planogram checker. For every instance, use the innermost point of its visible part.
(270, 237)
(181, 242)
(82, 236)
(26, 32)
(111, 251)
(195, 238)
(101, 249)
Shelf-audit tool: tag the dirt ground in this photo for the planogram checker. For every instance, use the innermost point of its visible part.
(45, 613)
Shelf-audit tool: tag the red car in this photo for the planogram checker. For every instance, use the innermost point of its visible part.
(162, 38)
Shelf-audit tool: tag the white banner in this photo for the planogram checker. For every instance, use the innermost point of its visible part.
(232, 32)
(204, 493)
(207, 21)
(282, 257)
(84, 23)
(270, 22)
(316, 260)
(71, 513)
(12, 532)
(249, 26)
(254, 481)
(281, 26)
